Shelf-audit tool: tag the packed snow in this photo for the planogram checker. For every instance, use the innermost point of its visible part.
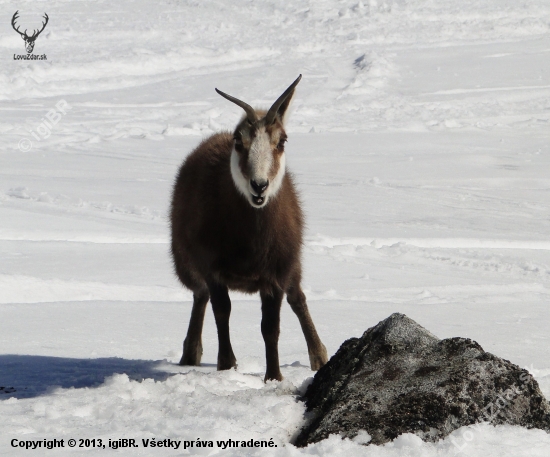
(420, 142)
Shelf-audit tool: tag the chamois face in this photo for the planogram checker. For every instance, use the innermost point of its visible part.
(258, 155)
(258, 160)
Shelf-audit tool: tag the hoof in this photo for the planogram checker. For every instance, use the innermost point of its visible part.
(317, 361)
(273, 377)
(191, 355)
(226, 363)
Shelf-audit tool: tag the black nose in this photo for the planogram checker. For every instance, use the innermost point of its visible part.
(259, 187)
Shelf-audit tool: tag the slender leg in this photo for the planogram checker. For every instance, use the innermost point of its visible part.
(192, 345)
(271, 312)
(221, 305)
(316, 349)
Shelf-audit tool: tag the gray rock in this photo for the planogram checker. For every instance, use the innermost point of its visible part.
(399, 378)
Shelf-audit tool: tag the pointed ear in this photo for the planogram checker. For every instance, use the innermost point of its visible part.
(283, 110)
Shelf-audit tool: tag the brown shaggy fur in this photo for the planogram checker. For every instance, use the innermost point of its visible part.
(217, 234)
(220, 243)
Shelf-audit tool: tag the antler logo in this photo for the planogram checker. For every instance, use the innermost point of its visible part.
(29, 40)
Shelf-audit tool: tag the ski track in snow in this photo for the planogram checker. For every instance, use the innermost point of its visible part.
(419, 141)
(445, 243)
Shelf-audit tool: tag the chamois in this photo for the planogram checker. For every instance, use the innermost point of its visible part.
(237, 224)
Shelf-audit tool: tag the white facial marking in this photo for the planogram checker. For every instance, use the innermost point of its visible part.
(275, 185)
(260, 157)
(240, 181)
(260, 163)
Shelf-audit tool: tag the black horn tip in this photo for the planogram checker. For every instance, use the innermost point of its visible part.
(272, 113)
(223, 94)
(296, 81)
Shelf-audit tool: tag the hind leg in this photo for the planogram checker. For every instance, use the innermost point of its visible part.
(316, 349)
(192, 345)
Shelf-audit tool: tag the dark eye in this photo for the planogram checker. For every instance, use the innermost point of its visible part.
(281, 144)
(238, 143)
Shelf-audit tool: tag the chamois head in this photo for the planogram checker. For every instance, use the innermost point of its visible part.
(258, 156)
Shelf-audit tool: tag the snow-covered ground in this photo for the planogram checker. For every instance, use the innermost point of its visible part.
(420, 141)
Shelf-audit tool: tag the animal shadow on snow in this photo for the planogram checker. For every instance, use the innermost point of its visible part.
(27, 376)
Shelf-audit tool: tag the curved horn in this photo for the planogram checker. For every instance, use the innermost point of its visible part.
(250, 113)
(270, 116)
